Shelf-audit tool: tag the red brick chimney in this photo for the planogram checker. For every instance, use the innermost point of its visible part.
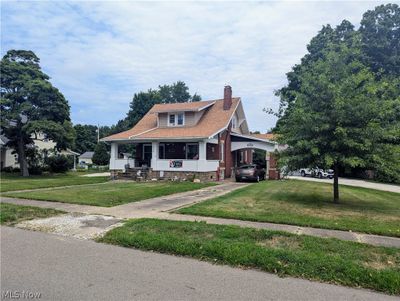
(227, 97)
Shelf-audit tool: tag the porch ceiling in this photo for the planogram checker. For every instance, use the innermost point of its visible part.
(239, 141)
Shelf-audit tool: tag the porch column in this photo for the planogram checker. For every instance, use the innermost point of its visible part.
(202, 162)
(113, 155)
(154, 155)
(267, 157)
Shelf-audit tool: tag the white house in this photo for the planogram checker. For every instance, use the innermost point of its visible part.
(9, 158)
(205, 138)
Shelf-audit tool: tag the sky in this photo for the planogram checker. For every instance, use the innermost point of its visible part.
(98, 54)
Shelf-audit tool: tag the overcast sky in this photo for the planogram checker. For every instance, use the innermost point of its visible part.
(100, 53)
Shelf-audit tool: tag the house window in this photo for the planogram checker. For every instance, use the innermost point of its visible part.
(161, 151)
(177, 119)
(180, 118)
(172, 119)
(192, 151)
(222, 149)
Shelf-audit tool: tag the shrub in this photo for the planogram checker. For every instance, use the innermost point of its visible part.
(101, 156)
(59, 163)
(7, 169)
(35, 170)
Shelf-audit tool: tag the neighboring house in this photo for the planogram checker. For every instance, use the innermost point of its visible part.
(9, 158)
(86, 158)
(207, 138)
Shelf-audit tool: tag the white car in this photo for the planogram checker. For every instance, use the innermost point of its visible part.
(316, 172)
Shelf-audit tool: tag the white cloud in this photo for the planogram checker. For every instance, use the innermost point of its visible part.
(100, 53)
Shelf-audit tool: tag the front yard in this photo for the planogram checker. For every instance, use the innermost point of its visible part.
(12, 182)
(321, 259)
(11, 214)
(109, 194)
(308, 204)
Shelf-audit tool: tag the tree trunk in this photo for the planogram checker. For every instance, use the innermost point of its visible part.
(23, 164)
(336, 184)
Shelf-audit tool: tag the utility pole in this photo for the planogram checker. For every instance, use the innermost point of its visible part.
(98, 133)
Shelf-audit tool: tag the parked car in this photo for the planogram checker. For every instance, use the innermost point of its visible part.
(316, 172)
(250, 172)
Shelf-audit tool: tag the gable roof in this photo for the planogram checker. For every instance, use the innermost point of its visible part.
(214, 120)
(87, 155)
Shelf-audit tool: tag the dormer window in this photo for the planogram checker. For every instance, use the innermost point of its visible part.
(176, 119)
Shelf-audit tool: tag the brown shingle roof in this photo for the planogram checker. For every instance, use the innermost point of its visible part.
(213, 120)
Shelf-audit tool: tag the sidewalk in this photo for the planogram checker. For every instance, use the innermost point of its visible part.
(353, 182)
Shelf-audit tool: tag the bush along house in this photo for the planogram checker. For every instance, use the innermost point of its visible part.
(204, 140)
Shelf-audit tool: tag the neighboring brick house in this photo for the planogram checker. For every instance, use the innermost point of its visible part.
(206, 138)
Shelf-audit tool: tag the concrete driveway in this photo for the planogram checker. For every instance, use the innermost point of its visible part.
(64, 268)
(353, 182)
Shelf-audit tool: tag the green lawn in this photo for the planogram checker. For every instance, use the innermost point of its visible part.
(12, 214)
(328, 260)
(110, 194)
(11, 182)
(308, 204)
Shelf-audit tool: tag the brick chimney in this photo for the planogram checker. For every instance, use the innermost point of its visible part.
(227, 97)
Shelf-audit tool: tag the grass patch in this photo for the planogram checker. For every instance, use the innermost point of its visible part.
(12, 214)
(11, 182)
(110, 194)
(308, 204)
(328, 260)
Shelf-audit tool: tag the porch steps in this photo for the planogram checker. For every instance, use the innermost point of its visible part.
(136, 174)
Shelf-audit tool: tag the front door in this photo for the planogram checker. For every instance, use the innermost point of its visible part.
(147, 154)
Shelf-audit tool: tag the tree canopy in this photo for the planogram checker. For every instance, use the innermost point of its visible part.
(30, 105)
(341, 107)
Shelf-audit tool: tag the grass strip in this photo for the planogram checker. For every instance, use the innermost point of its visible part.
(12, 214)
(322, 259)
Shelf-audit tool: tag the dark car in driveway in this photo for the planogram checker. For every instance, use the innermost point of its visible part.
(250, 172)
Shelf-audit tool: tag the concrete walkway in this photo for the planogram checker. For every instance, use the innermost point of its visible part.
(353, 182)
(63, 268)
(97, 174)
(161, 207)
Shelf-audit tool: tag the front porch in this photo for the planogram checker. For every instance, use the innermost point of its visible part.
(168, 159)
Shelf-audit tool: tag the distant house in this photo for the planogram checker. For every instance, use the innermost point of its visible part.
(9, 157)
(207, 138)
(86, 158)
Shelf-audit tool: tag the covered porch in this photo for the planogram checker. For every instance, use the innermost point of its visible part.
(164, 156)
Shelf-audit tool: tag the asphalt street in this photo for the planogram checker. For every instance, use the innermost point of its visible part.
(65, 268)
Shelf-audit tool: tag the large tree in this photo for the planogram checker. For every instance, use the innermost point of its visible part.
(31, 105)
(86, 138)
(380, 33)
(335, 112)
